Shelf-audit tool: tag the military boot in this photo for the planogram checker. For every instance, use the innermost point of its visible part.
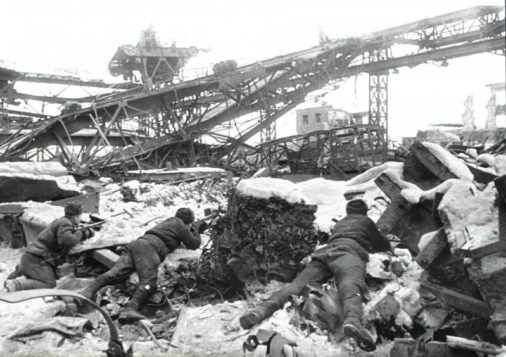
(90, 291)
(10, 285)
(354, 329)
(25, 284)
(131, 312)
(257, 315)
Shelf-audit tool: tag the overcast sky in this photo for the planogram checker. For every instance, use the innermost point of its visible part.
(46, 36)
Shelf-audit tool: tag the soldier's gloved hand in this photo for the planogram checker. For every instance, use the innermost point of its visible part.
(88, 233)
(202, 227)
(198, 226)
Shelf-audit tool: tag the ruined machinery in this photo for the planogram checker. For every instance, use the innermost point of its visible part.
(163, 121)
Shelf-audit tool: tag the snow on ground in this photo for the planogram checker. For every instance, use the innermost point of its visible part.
(192, 334)
(454, 164)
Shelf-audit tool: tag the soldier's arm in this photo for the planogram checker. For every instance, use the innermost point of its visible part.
(378, 241)
(66, 236)
(190, 239)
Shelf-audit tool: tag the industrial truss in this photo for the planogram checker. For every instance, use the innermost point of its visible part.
(333, 152)
(217, 114)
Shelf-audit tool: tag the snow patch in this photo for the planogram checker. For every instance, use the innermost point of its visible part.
(487, 159)
(395, 168)
(266, 187)
(51, 168)
(41, 214)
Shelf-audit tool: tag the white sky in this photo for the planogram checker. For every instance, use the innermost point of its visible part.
(42, 36)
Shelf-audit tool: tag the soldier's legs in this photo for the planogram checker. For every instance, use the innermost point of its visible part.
(146, 262)
(349, 272)
(315, 271)
(37, 274)
(117, 274)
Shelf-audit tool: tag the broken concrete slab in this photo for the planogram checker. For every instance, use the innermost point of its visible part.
(441, 162)
(401, 218)
(463, 205)
(431, 161)
(51, 168)
(432, 250)
(105, 257)
(406, 221)
(24, 187)
(415, 172)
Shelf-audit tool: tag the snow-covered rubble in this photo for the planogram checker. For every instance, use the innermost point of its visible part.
(454, 164)
(404, 288)
(328, 195)
(465, 208)
(126, 221)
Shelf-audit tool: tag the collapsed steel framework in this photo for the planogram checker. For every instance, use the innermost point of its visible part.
(211, 117)
(333, 152)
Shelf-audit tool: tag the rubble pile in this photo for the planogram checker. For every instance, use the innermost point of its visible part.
(443, 283)
(447, 213)
(261, 236)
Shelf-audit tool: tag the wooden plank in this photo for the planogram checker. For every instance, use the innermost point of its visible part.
(472, 345)
(484, 250)
(431, 162)
(105, 257)
(397, 209)
(387, 185)
(403, 347)
(418, 174)
(459, 301)
(432, 250)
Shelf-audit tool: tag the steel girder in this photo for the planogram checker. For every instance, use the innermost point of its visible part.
(188, 110)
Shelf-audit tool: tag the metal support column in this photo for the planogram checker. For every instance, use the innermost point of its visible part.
(378, 100)
(269, 132)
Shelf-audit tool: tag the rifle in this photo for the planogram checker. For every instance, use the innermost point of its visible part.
(201, 224)
(91, 225)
